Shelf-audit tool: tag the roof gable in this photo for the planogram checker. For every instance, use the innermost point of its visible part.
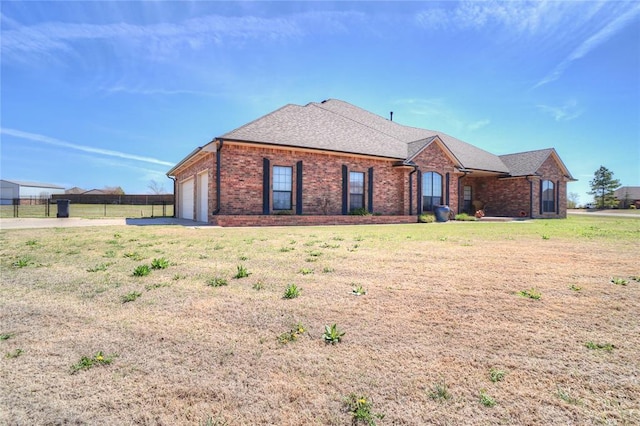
(528, 163)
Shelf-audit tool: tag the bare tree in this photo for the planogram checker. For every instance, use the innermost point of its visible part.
(156, 188)
(572, 200)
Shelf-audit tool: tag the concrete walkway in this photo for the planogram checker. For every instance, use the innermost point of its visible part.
(28, 223)
(606, 213)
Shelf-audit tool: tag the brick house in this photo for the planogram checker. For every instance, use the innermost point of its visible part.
(628, 196)
(316, 163)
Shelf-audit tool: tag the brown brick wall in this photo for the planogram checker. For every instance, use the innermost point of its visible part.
(512, 196)
(242, 183)
(500, 197)
(434, 159)
(242, 180)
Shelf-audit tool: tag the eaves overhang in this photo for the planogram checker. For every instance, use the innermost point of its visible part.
(193, 156)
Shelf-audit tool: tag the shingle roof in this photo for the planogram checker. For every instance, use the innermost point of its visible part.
(630, 192)
(339, 126)
(525, 163)
(528, 163)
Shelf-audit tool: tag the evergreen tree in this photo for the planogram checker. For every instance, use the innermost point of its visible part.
(602, 187)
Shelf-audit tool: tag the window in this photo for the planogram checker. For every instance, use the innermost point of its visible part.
(282, 187)
(466, 199)
(356, 190)
(548, 197)
(431, 190)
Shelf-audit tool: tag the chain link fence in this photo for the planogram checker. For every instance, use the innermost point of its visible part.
(29, 207)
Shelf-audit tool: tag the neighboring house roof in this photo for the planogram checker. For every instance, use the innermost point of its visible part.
(33, 184)
(627, 192)
(95, 192)
(75, 190)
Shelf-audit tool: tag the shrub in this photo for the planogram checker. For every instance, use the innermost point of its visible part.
(440, 391)
(465, 217)
(216, 282)
(360, 409)
(87, 362)
(14, 354)
(496, 375)
(160, 263)
(133, 255)
(486, 400)
(360, 212)
(359, 291)
(426, 218)
(292, 335)
(22, 262)
(531, 294)
(130, 297)
(291, 292)
(332, 334)
(619, 281)
(242, 272)
(600, 346)
(141, 271)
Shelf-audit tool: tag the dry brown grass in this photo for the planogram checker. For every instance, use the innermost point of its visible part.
(441, 306)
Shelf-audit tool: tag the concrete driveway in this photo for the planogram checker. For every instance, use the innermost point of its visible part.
(27, 223)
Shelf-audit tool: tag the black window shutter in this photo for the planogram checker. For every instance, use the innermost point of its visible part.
(541, 196)
(446, 182)
(266, 180)
(370, 190)
(345, 190)
(419, 186)
(299, 187)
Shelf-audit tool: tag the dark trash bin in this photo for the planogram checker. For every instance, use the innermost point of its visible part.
(442, 213)
(63, 208)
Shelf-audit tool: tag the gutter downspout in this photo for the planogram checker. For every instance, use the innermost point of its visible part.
(175, 185)
(218, 190)
(415, 169)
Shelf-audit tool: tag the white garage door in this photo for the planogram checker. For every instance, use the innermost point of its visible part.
(203, 197)
(186, 199)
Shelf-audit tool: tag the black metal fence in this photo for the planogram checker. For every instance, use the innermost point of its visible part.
(143, 206)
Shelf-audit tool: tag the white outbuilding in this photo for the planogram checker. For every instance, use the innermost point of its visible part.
(27, 192)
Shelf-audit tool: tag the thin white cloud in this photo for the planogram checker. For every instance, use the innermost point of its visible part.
(591, 43)
(63, 144)
(165, 40)
(572, 27)
(163, 92)
(435, 111)
(479, 124)
(566, 112)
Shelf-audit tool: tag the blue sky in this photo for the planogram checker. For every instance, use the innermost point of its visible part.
(114, 93)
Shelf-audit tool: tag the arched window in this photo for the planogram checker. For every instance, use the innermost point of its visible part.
(548, 197)
(431, 190)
